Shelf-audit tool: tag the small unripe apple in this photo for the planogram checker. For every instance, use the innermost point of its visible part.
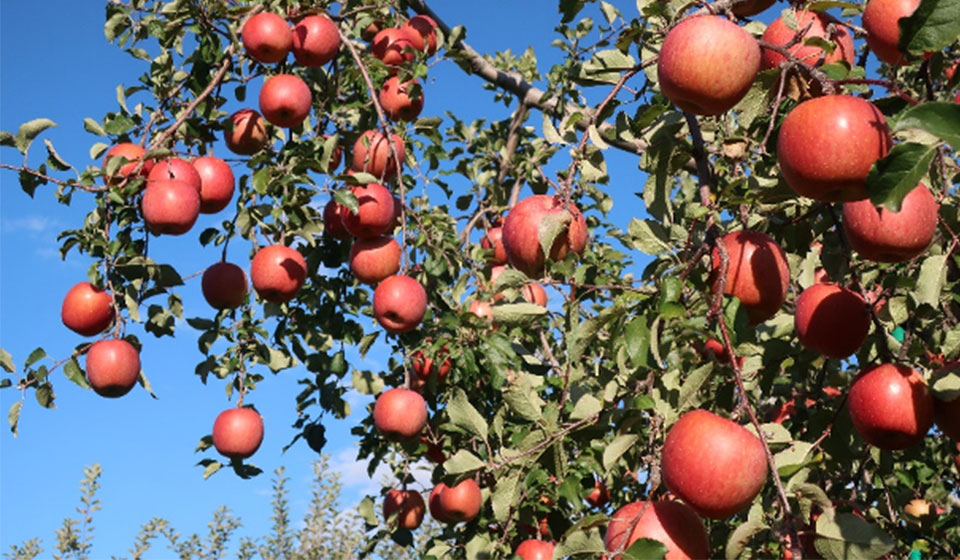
(397, 99)
(947, 416)
(372, 154)
(832, 320)
(170, 207)
(778, 33)
(880, 235)
(285, 100)
(533, 549)
(278, 272)
(461, 502)
(881, 21)
(521, 232)
(399, 303)
(374, 258)
(409, 506)
(891, 406)
(374, 211)
(333, 220)
(267, 37)
(238, 432)
(757, 273)
(246, 132)
(400, 414)
(132, 153)
(393, 47)
(493, 240)
(113, 367)
(87, 309)
(174, 169)
(673, 524)
(224, 285)
(216, 183)
(316, 41)
(422, 32)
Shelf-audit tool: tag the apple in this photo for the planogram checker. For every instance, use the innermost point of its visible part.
(397, 214)
(113, 367)
(493, 241)
(757, 273)
(436, 509)
(393, 47)
(400, 414)
(778, 33)
(316, 41)
(238, 432)
(671, 523)
(751, 7)
(891, 406)
(132, 153)
(370, 31)
(700, 453)
(423, 367)
(534, 293)
(397, 101)
(374, 212)
(409, 506)
(715, 349)
(174, 169)
(399, 303)
(521, 232)
(918, 508)
(278, 272)
(947, 416)
(216, 183)
(224, 285)
(335, 158)
(267, 37)
(372, 154)
(461, 502)
(707, 64)
(879, 235)
(170, 207)
(87, 309)
(285, 100)
(881, 21)
(482, 309)
(533, 549)
(333, 220)
(599, 496)
(832, 320)
(827, 144)
(422, 33)
(374, 258)
(246, 133)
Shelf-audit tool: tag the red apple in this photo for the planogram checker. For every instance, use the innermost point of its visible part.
(216, 183)
(400, 414)
(436, 509)
(278, 272)
(174, 169)
(267, 37)
(493, 240)
(671, 523)
(707, 64)
(87, 309)
(399, 303)
(891, 406)
(881, 21)
(374, 213)
(238, 432)
(132, 153)
(757, 273)
(827, 144)
(393, 47)
(461, 502)
(316, 41)
(372, 154)
(599, 495)
(285, 100)
(879, 235)
(699, 455)
(374, 258)
(409, 506)
(246, 133)
(947, 416)
(715, 349)
(398, 102)
(113, 367)
(534, 293)
(482, 309)
(832, 320)
(170, 207)
(423, 367)
(224, 285)
(422, 33)
(333, 220)
(533, 549)
(751, 7)
(521, 232)
(778, 33)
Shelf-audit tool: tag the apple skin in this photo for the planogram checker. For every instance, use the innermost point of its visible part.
(372, 154)
(493, 240)
(224, 285)
(700, 452)
(947, 416)
(174, 169)
(599, 496)
(133, 154)
(170, 207)
(707, 64)
(751, 7)
(521, 233)
(422, 33)
(267, 37)
(396, 100)
(278, 272)
(880, 19)
(393, 47)
(482, 309)
(285, 100)
(534, 293)
(316, 41)
(424, 367)
(461, 502)
(533, 549)
(216, 183)
(672, 523)
(113, 367)
(879, 235)
(827, 144)
(399, 303)
(409, 504)
(374, 213)
(87, 310)
(891, 406)
(238, 432)
(778, 33)
(715, 349)
(333, 220)
(433, 502)
(246, 133)
(832, 320)
(374, 258)
(757, 273)
(400, 414)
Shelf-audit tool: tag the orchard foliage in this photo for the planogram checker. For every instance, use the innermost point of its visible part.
(538, 404)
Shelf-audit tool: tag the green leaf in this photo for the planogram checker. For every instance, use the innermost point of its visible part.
(932, 26)
(580, 542)
(946, 384)
(938, 118)
(524, 401)
(504, 496)
(13, 417)
(346, 198)
(7, 139)
(37, 354)
(73, 372)
(45, 396)
(367, 510)
(463, 415)
(93, 127)
(609, 11)
(367, 383)
(648, 236)
(693, 382)
(740, 536)
(517, 313)
(211, 468)
(645, 549)
(620, 445)
(606, 66)
(6, 361)
(586, 406)
(585, 333)
(637, 341)
(893, 176)
(461, 462)
(846, 536)
(793, 458)
(54, 159)
(510, 278)
(29, 130)
(551, 226)
(933, 272)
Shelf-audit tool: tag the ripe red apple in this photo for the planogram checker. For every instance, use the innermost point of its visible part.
(332, 220)
(599, 495)
(400, 414)
(947, 416)
(374, 213)
(372, 154)
(436, 509)
(707, 64)
(879, 235)
(408, 503)
(533, 549)
(216, 183)
(461, 502)
(393, 47)
(132, 153)
(398, 102)
(521, 231)
(751, 7)
(827, 144)
(715, 349)
(267, 37)
(423, 367)
(374, 258)
(778, 33)
(113, 367)
(832, 320)
(699, 455)
(170, 207)
(87, 309)
(224, 285)
(482, 309)
(534, 293)
(285, 100)
(316, 41)
(672, 523)
(891, 406)
(399, 303)
(238, 432)
(422, 33)
(174, 169)
(278, 272)
(757, 273)
(880, 19)
(246, 133)
(493, 240)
